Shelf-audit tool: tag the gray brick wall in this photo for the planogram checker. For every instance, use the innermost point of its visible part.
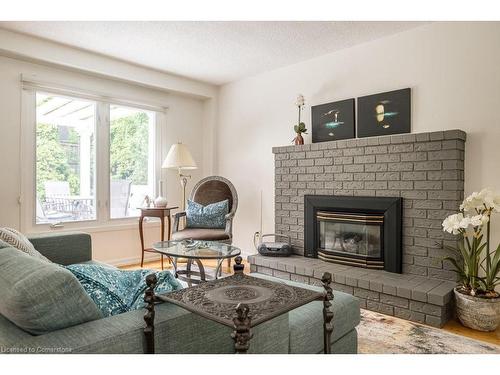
(426, 169)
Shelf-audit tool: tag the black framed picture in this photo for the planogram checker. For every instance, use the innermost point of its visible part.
(385, 113)
(333, 121)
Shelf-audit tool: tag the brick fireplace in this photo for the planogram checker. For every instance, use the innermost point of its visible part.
(425, 171)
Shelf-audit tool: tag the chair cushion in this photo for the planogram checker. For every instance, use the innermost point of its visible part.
(209, 216)
(201, 234)
(20, 242)
(40, 297)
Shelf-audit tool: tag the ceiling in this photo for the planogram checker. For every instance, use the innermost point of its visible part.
(214, 52)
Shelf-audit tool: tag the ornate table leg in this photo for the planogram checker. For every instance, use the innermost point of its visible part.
(238, 267)
(241, 334)
(327, 312)
(149, 317)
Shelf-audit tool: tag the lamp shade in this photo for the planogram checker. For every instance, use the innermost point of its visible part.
(179, 157)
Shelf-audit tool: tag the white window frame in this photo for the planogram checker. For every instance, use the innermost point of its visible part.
(103, 221)
(155, 174)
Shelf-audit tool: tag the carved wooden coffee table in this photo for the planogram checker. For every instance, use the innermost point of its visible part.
(241, 302)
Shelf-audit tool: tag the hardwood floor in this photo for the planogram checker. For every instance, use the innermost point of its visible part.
(453, 325)
(208, 264)
(456, 327)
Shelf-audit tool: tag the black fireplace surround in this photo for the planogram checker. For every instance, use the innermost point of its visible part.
(383, 215)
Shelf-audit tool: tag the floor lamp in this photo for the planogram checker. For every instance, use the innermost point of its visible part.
(180, 158)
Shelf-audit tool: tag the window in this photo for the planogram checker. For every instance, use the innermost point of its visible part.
(65, 159)
(86, 158)
(131, 159)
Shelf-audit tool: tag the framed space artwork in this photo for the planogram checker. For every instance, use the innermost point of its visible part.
(333, 121)
(385, 113)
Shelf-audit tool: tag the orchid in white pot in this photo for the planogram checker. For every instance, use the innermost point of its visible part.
(478, 266)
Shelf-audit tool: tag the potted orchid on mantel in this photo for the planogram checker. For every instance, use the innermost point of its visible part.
(477, 265)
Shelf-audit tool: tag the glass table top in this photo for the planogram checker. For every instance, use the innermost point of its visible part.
(196, 249)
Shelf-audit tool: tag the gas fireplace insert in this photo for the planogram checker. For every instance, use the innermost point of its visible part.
(356, 231)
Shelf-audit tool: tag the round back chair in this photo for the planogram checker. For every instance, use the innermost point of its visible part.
(215, 189)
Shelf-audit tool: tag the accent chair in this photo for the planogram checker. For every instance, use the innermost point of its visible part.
(210, 190)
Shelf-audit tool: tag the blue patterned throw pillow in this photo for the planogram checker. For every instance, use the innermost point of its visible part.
(117, 291)
(212, 216)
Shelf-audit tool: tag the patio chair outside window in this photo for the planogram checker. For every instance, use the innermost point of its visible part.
(52, 217)
(74, 207)
(120, 196)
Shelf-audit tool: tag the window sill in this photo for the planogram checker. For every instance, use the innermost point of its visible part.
(87, 227)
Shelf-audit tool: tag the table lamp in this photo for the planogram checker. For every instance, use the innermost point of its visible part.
(180, 158)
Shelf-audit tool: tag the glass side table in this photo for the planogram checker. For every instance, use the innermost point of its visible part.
(195, 252)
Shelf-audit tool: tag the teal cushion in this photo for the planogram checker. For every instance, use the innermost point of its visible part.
(212, 216)
(40, 297)
(117, 291)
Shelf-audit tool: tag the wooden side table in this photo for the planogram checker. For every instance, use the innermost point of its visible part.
(162, 213)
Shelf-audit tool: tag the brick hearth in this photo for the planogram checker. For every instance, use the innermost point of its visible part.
(425, 169)
(416, 298)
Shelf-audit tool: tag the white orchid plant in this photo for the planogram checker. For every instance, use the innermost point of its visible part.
(300, 127)
(473, 253)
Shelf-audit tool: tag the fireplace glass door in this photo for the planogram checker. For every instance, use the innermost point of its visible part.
(351, 238)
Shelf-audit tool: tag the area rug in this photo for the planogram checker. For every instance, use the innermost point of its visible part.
(383, 334)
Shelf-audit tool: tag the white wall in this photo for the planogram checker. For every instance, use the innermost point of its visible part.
(185, 122)
(452, 68)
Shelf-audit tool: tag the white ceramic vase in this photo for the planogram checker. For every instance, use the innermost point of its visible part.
(160, 201)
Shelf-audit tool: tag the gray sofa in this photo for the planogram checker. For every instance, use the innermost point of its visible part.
(176, 330)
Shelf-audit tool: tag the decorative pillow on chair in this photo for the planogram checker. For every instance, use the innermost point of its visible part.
(20, 242)
(211, 216)
(117, 291)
